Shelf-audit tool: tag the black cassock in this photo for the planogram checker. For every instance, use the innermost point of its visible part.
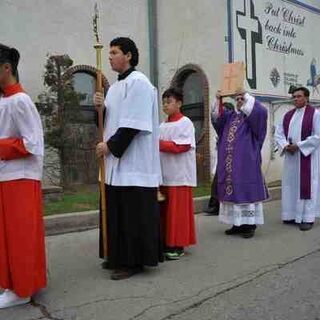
(133, 217)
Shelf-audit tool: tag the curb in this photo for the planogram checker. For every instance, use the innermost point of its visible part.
(87, 220)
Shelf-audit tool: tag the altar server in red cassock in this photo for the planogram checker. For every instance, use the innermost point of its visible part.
(22, 245)
(178, 164)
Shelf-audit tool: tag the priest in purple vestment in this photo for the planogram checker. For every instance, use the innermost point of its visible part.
(241, 186)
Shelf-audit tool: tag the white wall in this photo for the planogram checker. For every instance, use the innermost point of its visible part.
(38, 27)
(192, 32)
(189, 32)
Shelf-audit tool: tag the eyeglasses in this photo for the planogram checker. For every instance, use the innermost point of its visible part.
(297, 96)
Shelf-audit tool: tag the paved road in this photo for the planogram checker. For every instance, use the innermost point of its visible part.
(274, 276)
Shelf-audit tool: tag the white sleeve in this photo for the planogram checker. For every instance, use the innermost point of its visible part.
(249, 101)
(280, 138)
(136, 110)
(185, 134)
(312, 142)
(214, 111)
(28, 122)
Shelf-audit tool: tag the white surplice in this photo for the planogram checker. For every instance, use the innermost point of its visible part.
(294, 208)
(133, 103)
(19, 118)
(179, 169)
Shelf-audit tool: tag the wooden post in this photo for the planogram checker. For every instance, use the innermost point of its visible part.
(98, 47)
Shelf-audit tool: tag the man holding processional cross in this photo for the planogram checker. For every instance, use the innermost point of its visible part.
(130, 148)
(241, 133)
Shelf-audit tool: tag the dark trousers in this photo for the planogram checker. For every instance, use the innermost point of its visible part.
(214, 202)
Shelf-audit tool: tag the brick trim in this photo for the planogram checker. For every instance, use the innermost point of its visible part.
(203, 144)
(87, 69)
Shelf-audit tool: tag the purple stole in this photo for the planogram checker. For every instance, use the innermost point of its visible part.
(305, 162)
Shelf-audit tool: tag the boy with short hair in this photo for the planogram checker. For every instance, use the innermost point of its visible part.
(22, 245)
(178, 164)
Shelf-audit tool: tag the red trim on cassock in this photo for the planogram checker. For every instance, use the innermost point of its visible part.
(175, 117)
(172, 147)
(177, 216)
(22, 244)
(12, 89)
(12, 148)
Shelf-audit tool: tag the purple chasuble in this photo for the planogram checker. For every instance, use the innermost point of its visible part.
(240, 178)
(305, 162)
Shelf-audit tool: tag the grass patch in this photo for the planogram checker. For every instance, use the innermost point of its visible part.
(202, 190)
(80, 198)
(85, 198)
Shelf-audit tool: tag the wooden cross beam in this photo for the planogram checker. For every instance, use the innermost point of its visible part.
(232, 78)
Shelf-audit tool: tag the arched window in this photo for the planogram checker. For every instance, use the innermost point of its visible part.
(194, 84)
(80, 164)
(193, 102)
(84, 83)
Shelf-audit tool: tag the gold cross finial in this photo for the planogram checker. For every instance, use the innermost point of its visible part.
(95, 23)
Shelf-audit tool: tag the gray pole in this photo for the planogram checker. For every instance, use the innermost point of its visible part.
(153, 41)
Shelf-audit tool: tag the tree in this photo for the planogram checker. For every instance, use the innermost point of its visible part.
(58, 106)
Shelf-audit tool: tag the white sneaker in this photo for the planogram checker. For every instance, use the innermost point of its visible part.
(10, 299)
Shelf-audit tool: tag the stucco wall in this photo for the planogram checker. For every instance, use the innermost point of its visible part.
(195, 32)
(189, 32)
(38, 27)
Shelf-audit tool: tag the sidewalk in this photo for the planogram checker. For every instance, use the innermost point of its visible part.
(80, 290)
(87, 220)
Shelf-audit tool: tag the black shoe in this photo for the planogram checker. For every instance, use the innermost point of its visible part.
(233, 230)
(125, 273)
(248, 230)
(212, 211)
(305, 226)
(248, 234)
(289, 221)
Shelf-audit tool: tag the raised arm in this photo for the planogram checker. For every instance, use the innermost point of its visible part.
(257, 116)
(218, 120)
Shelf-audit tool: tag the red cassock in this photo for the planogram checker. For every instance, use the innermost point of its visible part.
(177, 212)
(22, 244)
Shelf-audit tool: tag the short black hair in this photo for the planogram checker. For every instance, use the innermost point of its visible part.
(127, 45)
(173, 92)
(304, 89)
(11, 56)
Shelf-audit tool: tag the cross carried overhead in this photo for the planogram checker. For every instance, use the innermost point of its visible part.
(251, 32)
(232, 78)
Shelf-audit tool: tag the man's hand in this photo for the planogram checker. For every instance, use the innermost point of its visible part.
(101, 149)
(291, 148)
(98, 100)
